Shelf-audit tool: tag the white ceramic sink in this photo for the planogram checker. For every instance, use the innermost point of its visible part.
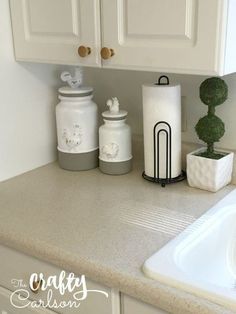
(202, 259)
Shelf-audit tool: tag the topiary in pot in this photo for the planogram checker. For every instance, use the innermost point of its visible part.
(206, 168)
(210, 129)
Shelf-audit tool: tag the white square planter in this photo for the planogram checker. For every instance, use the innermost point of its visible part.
(209, 174)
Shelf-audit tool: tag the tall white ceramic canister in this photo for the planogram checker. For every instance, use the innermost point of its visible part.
(162, 111)
(77, 127)
(115, 149)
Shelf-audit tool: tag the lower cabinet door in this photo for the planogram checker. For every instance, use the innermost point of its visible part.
(132, 306)
(6, 307)
(16, 267)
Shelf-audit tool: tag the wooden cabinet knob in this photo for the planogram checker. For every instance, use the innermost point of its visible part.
(107, 53)
(36, 286)
(84, 51)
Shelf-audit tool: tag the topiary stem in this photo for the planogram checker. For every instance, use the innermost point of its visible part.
(211, 110)
(210, 148)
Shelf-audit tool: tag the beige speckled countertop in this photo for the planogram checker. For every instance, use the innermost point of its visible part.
(103, 226)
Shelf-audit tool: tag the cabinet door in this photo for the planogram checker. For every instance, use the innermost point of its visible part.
(52, 31)
(182, 36)
(16, 265)
(7, 308)
(132, 306)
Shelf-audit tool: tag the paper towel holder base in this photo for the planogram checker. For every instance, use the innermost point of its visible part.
(163, 182)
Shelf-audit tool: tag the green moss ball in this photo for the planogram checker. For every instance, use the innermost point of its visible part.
(213, 91)
(210, 129)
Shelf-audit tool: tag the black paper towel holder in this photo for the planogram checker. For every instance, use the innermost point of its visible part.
(163, 127)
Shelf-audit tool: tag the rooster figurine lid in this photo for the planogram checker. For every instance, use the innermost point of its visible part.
(114, 112)
(74, 88)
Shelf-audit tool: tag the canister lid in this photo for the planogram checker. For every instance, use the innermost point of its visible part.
(75, 92)
(114, 113)
(115, 116)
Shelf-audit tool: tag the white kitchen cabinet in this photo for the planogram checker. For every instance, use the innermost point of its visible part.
(7, 308)
(52, 31)
(132, 306)
(179, 36)
(16, 265)
(183, 36)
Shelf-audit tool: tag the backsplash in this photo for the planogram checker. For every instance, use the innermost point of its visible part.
(126, 85)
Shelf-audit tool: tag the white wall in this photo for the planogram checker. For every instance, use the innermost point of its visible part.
(126, 85)
(27, 100)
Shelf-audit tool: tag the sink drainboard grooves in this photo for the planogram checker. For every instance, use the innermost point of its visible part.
(157, 219)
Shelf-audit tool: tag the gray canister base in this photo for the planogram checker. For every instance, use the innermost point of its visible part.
(78, 162)
(115, 168)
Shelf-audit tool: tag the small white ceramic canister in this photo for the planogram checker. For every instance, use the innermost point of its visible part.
(115, 149)
(77, 127)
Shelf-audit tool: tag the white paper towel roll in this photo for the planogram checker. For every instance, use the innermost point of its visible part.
(162, 103)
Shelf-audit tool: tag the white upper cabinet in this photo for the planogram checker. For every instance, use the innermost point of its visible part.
(52, 31)
(179, 36)
(184, 36)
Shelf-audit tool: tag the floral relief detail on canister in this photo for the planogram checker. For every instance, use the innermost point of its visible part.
(110, 151)
(72, 137)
